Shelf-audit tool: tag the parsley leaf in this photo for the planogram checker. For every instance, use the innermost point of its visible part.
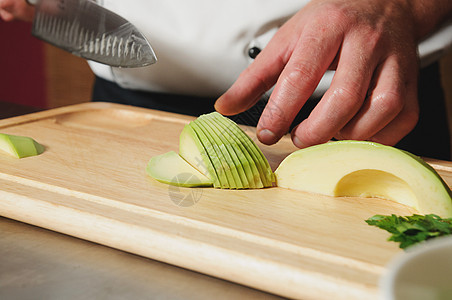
(413, 229)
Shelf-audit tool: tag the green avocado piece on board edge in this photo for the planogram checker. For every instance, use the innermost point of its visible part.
(20, 146)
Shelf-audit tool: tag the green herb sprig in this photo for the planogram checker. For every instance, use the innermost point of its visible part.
(410, 230)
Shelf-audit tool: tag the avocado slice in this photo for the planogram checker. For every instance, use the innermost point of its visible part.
(267, 176)
(220, 136)
(192, 150)
(224, 159)
(366, 169)
(214, 153)
(20, 146)
(247, 163)
(171, 168)
(222, 152)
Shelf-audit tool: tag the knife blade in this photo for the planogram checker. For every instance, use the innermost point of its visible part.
(91, 31)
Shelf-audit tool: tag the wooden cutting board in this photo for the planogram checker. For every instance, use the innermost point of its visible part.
(91, 183)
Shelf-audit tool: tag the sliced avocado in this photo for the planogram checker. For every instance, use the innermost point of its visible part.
(214, 153)
(171, 168)
(225, 160)
(366, 169)
(267, 176)
(256, 176)
(247, 167)
(192, 150)
(232, 149)
(20, 146)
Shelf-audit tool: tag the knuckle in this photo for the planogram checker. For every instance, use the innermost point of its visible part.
(274, 117)
(349, 93)
(348, 98)
(389, 102)
(302, 73)
(336, 13)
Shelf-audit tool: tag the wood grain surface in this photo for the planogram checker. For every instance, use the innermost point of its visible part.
(91, 183)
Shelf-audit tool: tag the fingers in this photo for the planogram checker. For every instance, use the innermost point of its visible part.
(5, 6)
(6, 16)
(16, 10)
(405, 121)
(356, 64)
(389, 113)
(392, 100)
(258, 78)
(373, 94)
(312, 56)
(399, 127)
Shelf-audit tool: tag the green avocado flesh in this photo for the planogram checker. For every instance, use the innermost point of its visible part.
(238, 153)
(19, 146)
(366, 169)
(218, 149)
(170, 167)
(192, 150)
(266, 174)
(213, 154)
(224, 162)
(215, 151)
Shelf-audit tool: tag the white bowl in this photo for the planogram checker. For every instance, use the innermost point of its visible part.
(423, 271)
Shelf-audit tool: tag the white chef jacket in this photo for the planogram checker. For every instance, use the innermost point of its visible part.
(202, 45)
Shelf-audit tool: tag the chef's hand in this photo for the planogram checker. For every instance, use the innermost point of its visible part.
(16, 10)
(373, 96)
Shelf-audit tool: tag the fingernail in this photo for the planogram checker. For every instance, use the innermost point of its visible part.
(267, 137)
(296, 141)
(217, 104)
(222, 107)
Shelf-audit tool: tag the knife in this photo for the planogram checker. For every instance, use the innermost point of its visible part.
(91, 31)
